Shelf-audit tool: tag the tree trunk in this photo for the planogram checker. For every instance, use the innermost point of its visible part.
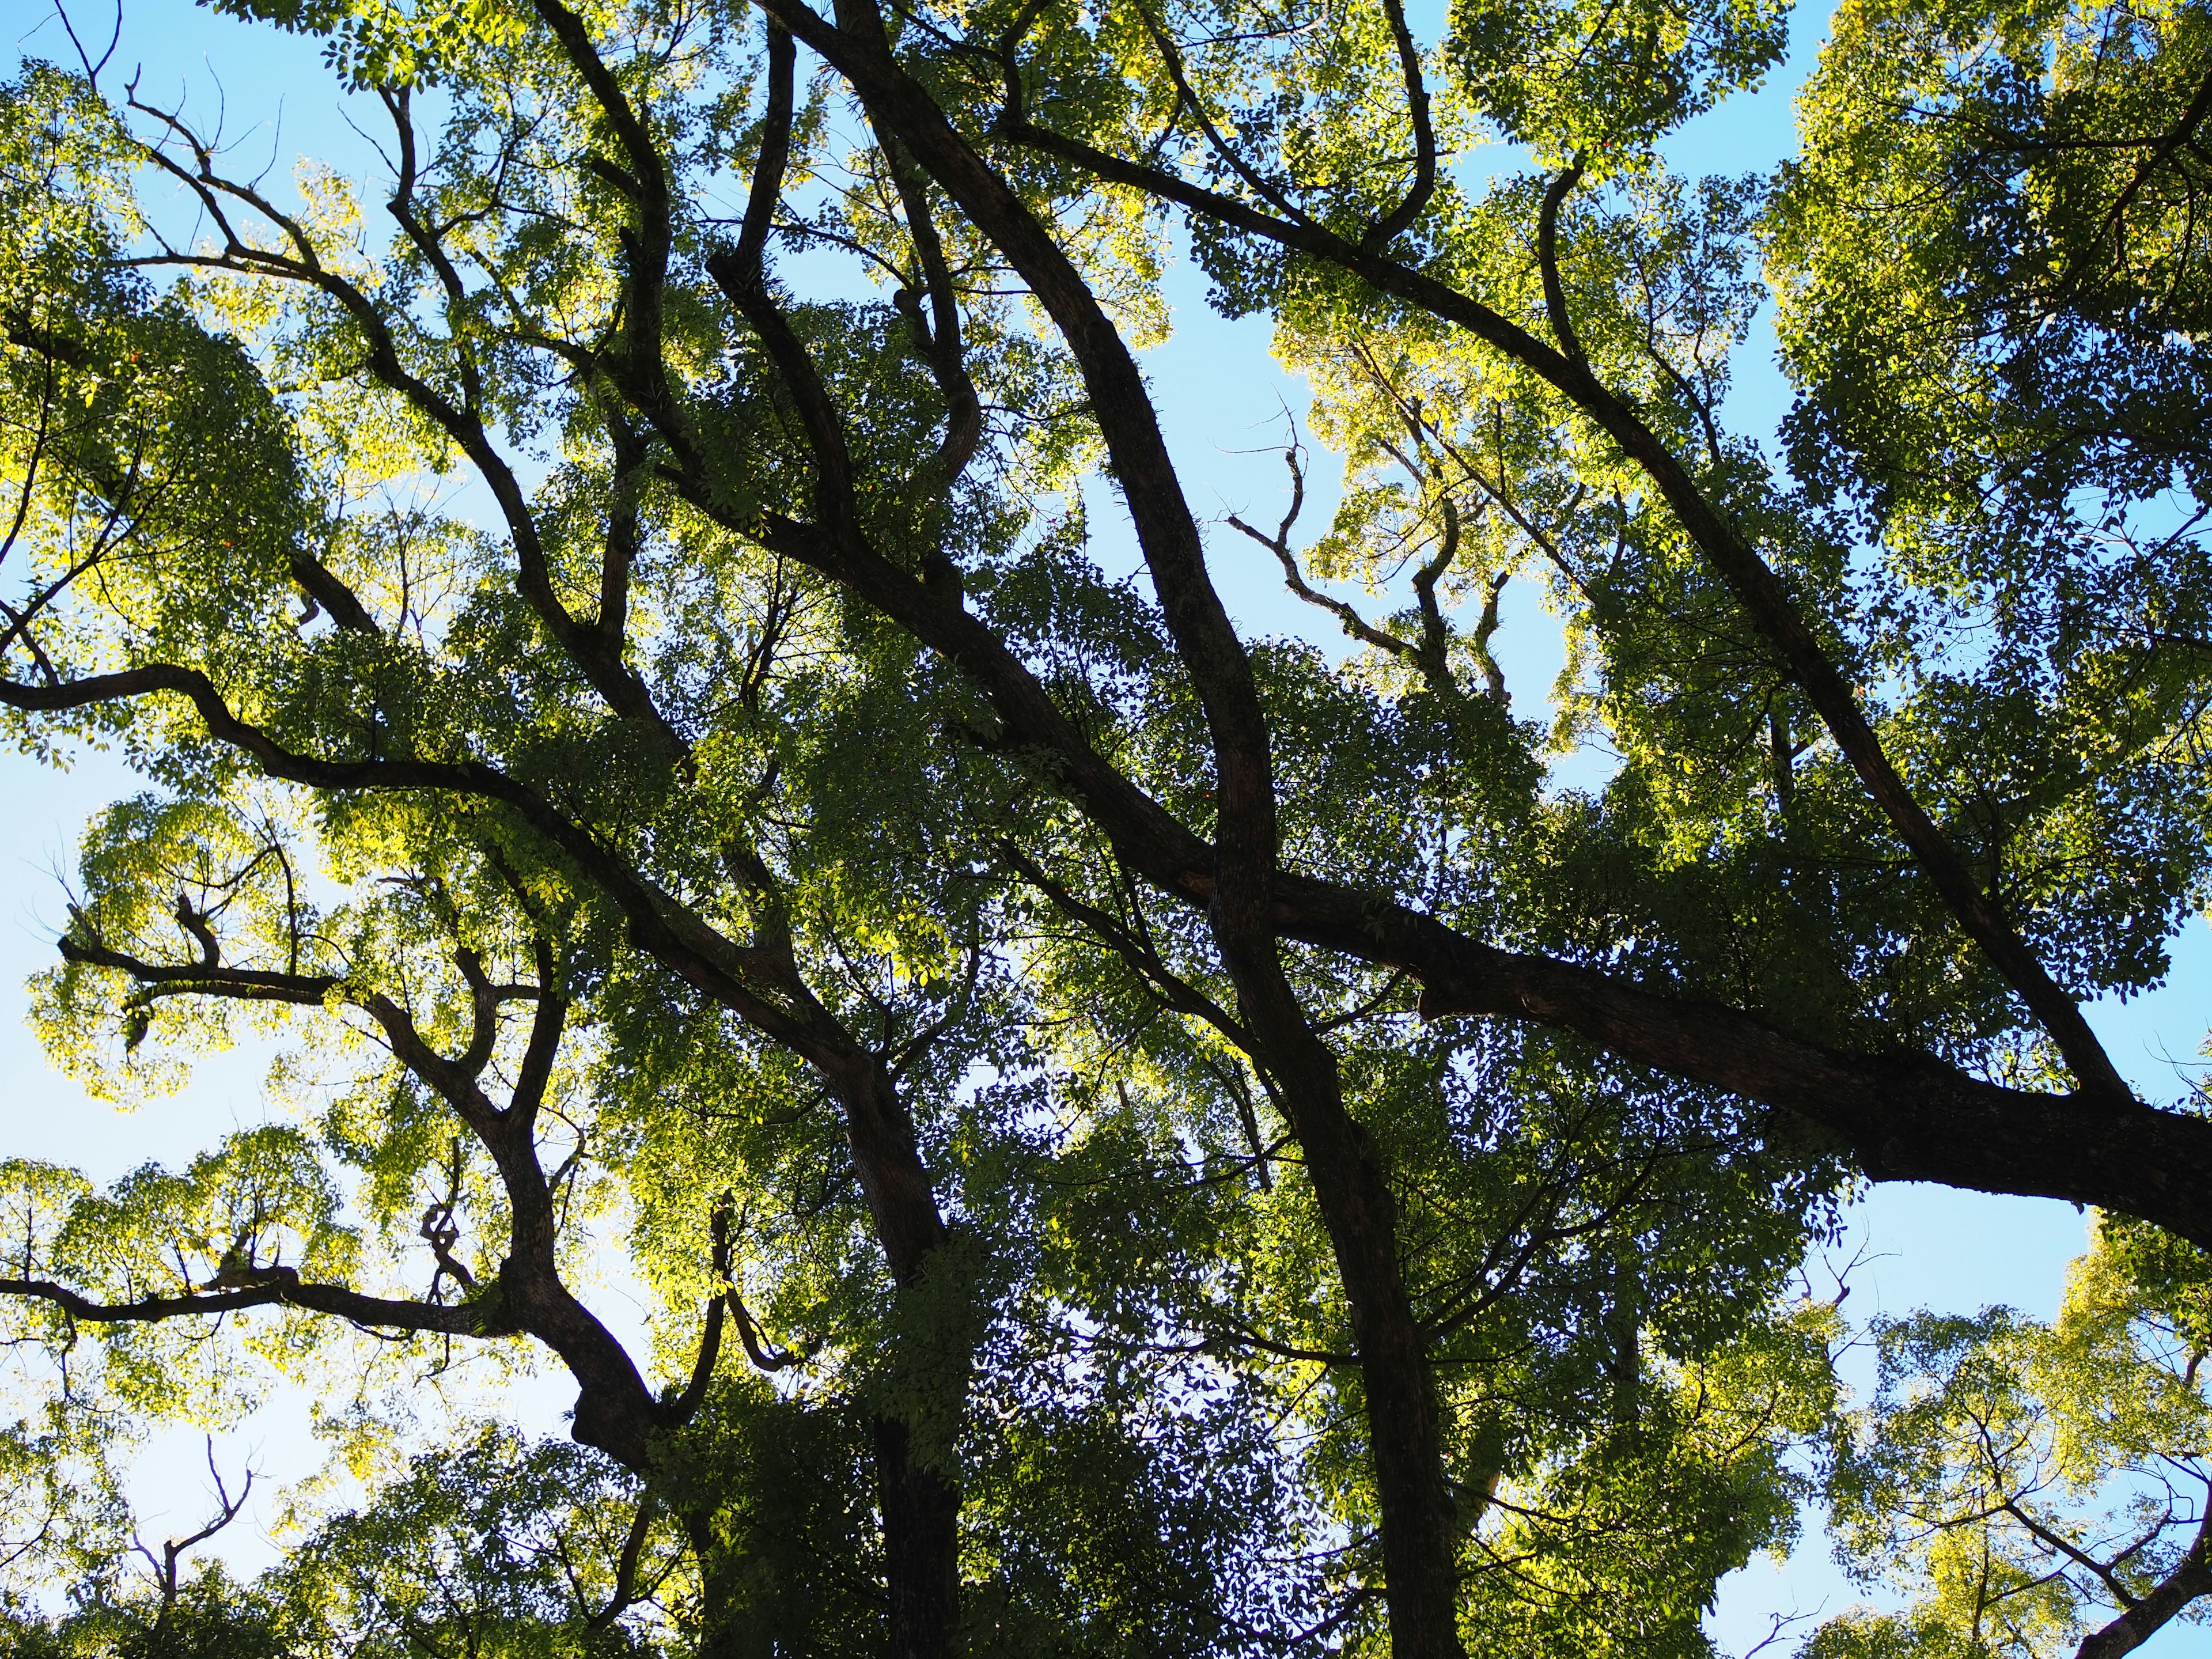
(921, 1548)
(920, 1507)
(1405, 1441)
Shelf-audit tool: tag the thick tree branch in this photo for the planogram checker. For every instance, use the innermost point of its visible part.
(2165, 1602)
(1206, 642)
(1395, 224)
(280, 1287)
(324, 589)
(741, 273)
(1905, 1117)
(625, 1593)
(646, 248)
(1547, 261)
(1754, 583)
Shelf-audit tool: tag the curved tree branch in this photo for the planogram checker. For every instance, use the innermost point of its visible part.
(1765, 600)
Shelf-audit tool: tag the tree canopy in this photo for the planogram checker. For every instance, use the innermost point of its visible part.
(1140, 1137)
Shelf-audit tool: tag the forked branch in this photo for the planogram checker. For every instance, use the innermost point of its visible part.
(175, 1550)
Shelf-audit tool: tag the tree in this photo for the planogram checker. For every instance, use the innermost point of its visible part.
(2028, 1474)
(1236, 1157)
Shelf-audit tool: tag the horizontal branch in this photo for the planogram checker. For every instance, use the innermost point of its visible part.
(274, 1287)
(207, 979)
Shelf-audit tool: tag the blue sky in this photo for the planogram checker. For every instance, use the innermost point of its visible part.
(1222, 399)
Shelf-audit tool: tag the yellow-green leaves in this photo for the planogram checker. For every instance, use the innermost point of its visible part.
(257, 1208)
(2028, 1480)
(391, 42)
(1604, 81)
(155, 501)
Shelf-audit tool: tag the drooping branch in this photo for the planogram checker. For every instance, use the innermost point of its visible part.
(741, 273)
(773, 159)
(1187, 98)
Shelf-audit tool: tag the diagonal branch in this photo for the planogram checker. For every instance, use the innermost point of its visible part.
(625, 1592)
(1179, 993)
(1765, 600)
(2189, 1581)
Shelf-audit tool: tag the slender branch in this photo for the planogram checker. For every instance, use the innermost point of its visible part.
(2065, 1546)
(1178, 992)
(1294, 577)
(174, 1549)
(1171, 59)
